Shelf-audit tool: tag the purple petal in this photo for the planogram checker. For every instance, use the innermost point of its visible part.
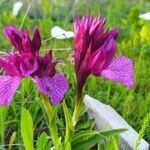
(97, 61)
(15, 59)
(97, 26)
(48, 67)
(28, 66)
(55, 87)
(36, 41)
(120, 70)
(8, 87)
(15, 36)
(9, 67)
(110, 46)
(48, 57)
(27, 44)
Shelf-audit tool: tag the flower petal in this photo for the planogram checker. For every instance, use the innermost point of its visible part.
(16, 8)
(55, 87)
(120, 70)
(27, 44)
(8, 87)
(36, 41)
(28, 66)
(9, 67)
(110, 45)
(97, 61)
(48, 57)
(15, 36)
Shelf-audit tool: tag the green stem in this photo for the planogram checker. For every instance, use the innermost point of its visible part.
(77, 108)
(54, 133)
(69, 129)
(71, 123)
(51, 113)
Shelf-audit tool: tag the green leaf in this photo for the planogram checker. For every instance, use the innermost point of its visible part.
(27, 129)
(112, 143)
(68, 146)
(42, 141)
(87, 143)
(3, 114)
(48, 145)
(69, 129)
(112, 132)
(12, 140)
(67, 116)
(83, 135)
(85, 125)
(87, 139)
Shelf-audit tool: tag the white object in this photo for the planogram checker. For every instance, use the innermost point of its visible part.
(106, 116)
(59, 33)
(16, 8)
(145, 16)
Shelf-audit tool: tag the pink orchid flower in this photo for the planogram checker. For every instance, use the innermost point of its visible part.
(95, 50)
(29, 63)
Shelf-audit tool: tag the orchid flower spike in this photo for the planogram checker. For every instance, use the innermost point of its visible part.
(95, 50)
(29, 63)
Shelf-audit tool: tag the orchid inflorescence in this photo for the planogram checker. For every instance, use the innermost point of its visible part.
(95, 50)
(94, 54)
(29, 63)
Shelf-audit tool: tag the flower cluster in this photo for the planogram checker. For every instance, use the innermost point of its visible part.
(26, 61)
(94, 54)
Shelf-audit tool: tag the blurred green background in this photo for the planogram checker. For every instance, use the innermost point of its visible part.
(134, 42)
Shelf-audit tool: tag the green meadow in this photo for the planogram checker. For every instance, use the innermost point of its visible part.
(134, 42)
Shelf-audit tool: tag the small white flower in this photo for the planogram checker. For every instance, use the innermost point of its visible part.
(145, 16)
(59, 33)
(16, 8)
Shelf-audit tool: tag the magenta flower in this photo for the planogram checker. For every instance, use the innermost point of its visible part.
(29, 63)
(55, 86)
(22, 42)
(95, 50)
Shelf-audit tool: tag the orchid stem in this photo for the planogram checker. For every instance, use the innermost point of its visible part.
(51, 113)
(77, 108)
(71, 123)
(69, 129)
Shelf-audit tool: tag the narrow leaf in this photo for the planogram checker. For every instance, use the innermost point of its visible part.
(87, 143)
(84, 135)
(3, 114)
(42, 141)
(68, 146)
(69, 129)
(27, 129)
(12, 140)
(87, 139)
(112, 132)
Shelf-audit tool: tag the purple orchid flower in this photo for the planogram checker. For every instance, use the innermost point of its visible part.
(55, 86)
(29, 63)
(95, 50)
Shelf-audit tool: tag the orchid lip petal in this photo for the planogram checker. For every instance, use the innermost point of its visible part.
(120, 70)
(55, 87)
(8, 87)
